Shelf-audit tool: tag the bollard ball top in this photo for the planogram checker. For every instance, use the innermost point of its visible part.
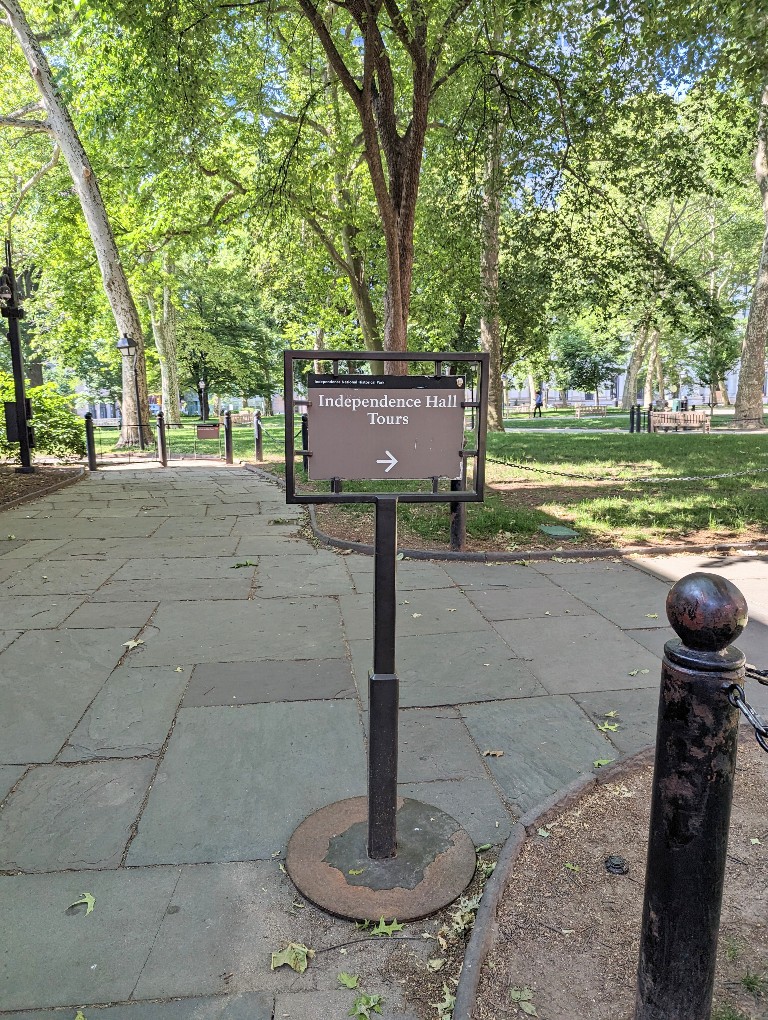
(706, 611)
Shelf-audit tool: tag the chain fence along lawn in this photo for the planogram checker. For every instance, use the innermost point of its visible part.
(613, 489)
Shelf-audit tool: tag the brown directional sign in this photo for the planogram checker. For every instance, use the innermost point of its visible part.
(385, 426)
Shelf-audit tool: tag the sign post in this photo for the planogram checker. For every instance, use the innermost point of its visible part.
(357, 429)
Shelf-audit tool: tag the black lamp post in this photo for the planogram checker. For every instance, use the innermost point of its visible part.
(201, 387)
(130, 349)
(17, 413)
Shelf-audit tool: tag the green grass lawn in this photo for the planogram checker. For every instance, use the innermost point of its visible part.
(562, 482)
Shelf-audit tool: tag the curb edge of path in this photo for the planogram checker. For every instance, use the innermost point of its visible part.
(81, 473)
(510, 557)
(485, 926)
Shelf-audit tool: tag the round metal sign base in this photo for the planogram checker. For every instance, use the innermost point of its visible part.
(329, 864)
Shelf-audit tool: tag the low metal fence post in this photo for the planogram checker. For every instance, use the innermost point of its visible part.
(259, 436)
(162, 440)
(458, 519)
(632, 418)
(691, 802)
(228, 445)
(650, 408)
(90, 443)
(305, 439)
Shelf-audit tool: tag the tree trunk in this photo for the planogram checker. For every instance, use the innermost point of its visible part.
(749, 396)
(319, 346)
(490, 328)
(531, 392)
(629, 396)
(659, 368)
(722, 387)
(164, 333)
(651, 369)
(112, 273)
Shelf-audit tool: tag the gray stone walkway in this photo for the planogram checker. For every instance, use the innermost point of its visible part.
(183, 680)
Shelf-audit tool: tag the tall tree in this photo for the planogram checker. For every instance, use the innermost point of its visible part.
(59, 124)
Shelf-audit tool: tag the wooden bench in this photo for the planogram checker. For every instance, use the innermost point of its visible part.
(588, 411)
(243, 418)
(663, 421)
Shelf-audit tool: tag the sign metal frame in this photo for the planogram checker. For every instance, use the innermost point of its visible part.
(474, 454)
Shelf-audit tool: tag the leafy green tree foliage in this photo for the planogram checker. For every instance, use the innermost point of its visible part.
(59, 432)
(586, 354)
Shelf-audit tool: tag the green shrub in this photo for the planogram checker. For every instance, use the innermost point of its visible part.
(59, 432)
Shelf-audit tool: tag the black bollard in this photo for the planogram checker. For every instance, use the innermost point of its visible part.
(305, 440)
(632, 418)
(648, 418)
(90, 444)
(458, 520)
(691, 803)
(228, 447)
(162, 440)
(259, 436)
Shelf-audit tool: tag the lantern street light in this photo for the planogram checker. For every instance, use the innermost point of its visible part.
(201, 387)
(17, 412)
(130, 350)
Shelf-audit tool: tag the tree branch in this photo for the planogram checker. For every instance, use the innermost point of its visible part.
(9, 120)
(26, 188)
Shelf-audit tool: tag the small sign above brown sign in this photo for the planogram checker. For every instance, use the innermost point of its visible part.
(368, 427)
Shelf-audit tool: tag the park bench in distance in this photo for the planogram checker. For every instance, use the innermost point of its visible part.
(663, 421)
(588, 410)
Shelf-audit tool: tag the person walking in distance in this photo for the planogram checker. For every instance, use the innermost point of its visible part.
(538, 403)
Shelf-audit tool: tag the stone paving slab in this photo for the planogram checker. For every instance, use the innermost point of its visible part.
(205, 527)
(434, 744)
(411, 575)
(221, 568)
(248, 1006)
(9, 776)
(47, 680)
(547, 742)
(34, 549)
(325, 574)
(580, 653)
(220, 793)
(272, 545)
(7, 637)
(474, 803)
(68, 959)
(736, 568)
(73, 818)
(525, 603)
(442, 611)
(105, 528)
(486, 575)
(242, 631)
(258, 527)
(251, 683)
(637, 714)
(123, 549)
(176, 589)
(223, 919)
(130, 716)
(451, 669)
(54, 577)
(92, 615)
(36, 612)
(625, 597)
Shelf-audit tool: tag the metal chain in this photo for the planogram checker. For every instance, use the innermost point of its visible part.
(662, 480)
(761, 675)
(737, 699)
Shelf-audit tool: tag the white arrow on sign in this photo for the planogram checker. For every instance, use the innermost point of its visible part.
(391, 462)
